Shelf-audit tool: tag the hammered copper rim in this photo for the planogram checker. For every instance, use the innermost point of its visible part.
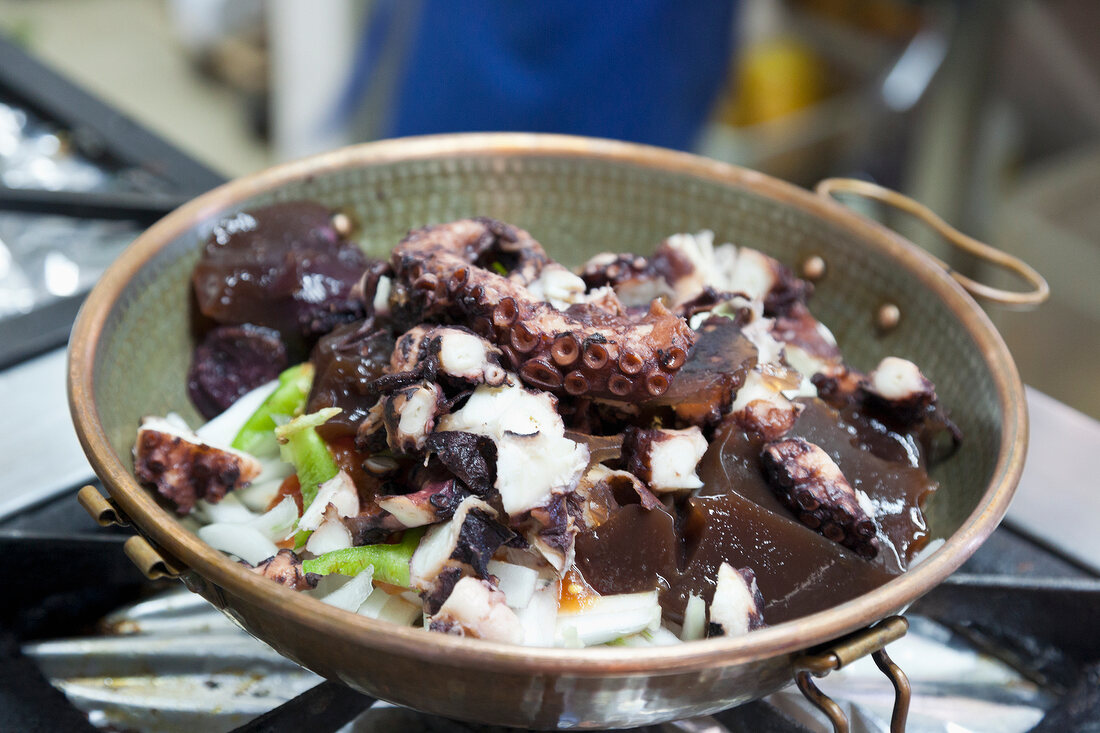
(784, 639)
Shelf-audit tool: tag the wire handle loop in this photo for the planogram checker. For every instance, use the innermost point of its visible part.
(1040, 290)
(871, 640)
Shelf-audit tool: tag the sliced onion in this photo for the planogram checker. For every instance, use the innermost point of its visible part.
(516, 582)
(175, 420)
(695, 618)
(224, 428)
(229, 510)
(538, 617)
(658, 637)
(607, 618)
(259, 494)
(331, 535)
(265, 487)
(373, 605)
(240, 540)
(351, 595)
(277, 524)
(391, 608)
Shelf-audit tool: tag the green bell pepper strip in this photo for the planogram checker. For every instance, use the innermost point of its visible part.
(303, 448)
(391, 562)
(257, 435)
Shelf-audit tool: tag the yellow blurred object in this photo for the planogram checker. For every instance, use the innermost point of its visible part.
(774, 78)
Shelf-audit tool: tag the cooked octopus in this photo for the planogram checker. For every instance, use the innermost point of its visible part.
(738, 605)
(666, 439)
(810, 483)
(285, 568)
(444, 272)
(185, 468)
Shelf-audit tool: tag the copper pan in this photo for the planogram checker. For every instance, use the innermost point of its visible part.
(880, 294)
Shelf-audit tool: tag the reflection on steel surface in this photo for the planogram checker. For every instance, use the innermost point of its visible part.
(43, 258)
(174, 663)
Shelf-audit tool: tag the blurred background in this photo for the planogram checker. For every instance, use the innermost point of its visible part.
(114, 112)
(986, 110)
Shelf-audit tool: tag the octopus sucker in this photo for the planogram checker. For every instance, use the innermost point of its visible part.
(565, 349)
(619, 385)
(673, 359)
(490, 269)
(630, 363)
(575, 383)
(596, 356)
(523, 338)
(505, 312)
(540, 373)
(483, 327)
(656, 382)
(426, 282)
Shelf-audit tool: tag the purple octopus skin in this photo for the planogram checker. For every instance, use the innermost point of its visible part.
(436, 499)
(811, 485)
(471, 458)
(441, 272)
(185, 469)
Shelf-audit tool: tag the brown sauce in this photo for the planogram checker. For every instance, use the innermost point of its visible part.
(799, 571)
(346, 362)
(575, 593)
(736, 518)
(635, 550)
(350, 461)
(896, 488)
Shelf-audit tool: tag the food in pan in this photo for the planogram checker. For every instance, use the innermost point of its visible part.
(475, 439)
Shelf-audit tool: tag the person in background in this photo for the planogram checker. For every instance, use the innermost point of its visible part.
(644, 71)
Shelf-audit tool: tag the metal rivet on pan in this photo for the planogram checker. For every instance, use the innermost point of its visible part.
(887, 317)
(195, 583)
(814, 268)
(342, 223)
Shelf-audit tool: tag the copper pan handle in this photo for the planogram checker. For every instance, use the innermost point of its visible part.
(843, 652)
(101, 509)
(154, 564)
(1039, 292)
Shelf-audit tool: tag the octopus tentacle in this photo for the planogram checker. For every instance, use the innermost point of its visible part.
(447, 272)
(806, 479)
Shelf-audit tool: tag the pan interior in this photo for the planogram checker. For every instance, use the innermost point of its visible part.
(577, 206)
